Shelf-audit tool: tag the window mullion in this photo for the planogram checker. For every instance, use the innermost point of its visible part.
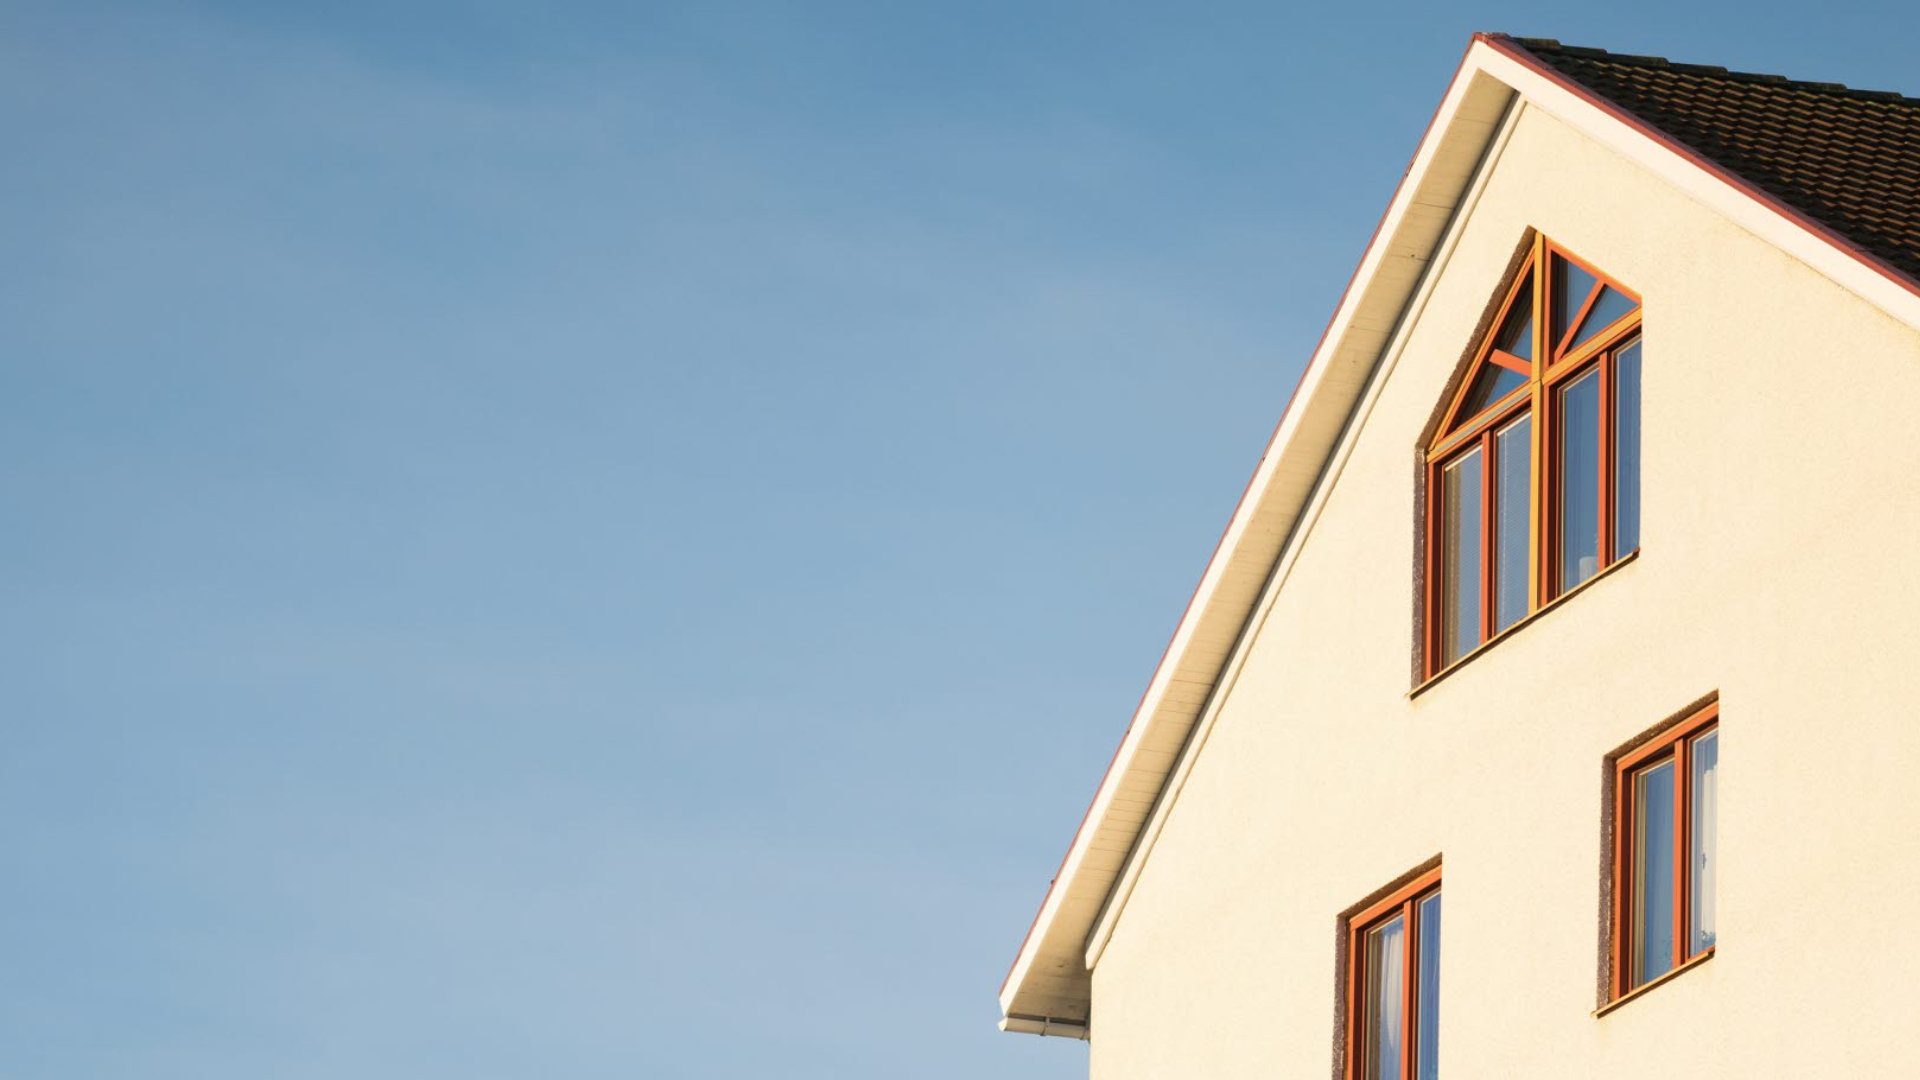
(1539, 533)
(1356, 999)
(1487, 522)
(1603, 544)
(1407, 969)
(1680, 799)
(1536, 514)
(1435, 569)
(1622, 878)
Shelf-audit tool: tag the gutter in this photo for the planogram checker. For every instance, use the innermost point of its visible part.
(1023, 1024)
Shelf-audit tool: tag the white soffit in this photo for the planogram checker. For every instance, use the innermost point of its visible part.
(1048, 990)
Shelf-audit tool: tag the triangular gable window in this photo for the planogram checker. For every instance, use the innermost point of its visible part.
(1585, 305)
(1533, 478)
(1608, 308)
(1505, 364)
(1492, 384)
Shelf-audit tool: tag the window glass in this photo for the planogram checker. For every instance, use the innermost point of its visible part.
(1606, 311)
(1426, 1056)
(1493, 383)
(1516, 334)
(1652, 872)
(1626, 450)
(1386, 997)
(1513, 479)
(1460, 501)
(1579, 486)
(1704, 857)
(1571, 287)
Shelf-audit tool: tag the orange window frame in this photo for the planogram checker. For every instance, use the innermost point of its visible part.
(1554, 365)
(1674, 744)
(1404, 902)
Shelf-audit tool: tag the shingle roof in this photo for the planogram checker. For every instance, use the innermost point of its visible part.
(1848, 159)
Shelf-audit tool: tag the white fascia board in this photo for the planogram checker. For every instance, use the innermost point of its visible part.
(1287, 473)
(1116, 902)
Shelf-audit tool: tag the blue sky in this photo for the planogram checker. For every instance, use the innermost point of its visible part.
(616, 540)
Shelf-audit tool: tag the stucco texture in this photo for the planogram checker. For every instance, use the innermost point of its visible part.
(1781, 497)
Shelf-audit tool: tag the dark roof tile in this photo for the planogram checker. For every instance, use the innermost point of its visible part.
(1846, 158)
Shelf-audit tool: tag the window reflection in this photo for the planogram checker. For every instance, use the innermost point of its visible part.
(1704, 827)
(1579, 486)
(1652, 872)
(1492, 384)
(1571, 287)
(1513, 477)
(1386, 997)
(1460, 498)
(1626, 451)
(1516, 334)
(1607, 310)
(1426, 1057)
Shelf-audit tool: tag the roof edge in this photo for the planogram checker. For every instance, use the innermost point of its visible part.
(1224, 549)
(1516, 50)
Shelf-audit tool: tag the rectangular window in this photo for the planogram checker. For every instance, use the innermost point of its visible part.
(1578, 417)
(1460, 501)
(1513, 477)
(1665, 804)
(1626, 450)
(1652, 872)
(1392, 996)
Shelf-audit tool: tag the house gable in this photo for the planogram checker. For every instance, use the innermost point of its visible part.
(1048, 989)
(1320, 779)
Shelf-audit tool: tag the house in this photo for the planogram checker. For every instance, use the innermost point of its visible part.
(1607, 458)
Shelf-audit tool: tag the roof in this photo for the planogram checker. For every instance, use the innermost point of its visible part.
(1850, 159)
(1826, 174)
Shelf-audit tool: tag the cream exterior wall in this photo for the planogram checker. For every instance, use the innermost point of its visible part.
(1781, 487)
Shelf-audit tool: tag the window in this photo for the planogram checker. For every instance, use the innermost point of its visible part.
(1665, 814)
(1392, 999)
(1533, 480)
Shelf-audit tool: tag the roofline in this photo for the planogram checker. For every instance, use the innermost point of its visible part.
(1245, 491)
(1329, 348)
(1511, 47)
(1220, 545)
(1239, 504)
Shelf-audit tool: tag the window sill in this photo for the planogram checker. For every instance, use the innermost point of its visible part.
(1611, 569)
(1640, 991)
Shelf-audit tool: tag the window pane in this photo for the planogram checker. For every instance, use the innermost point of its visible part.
(1705, 854)
(1606, 310)
(1385, 988)
(1516, 334)
(1626, 450)
(1652, 869)
(1426, 1007)
(1460, 507)
(1490, 385)
(1579, 420)
(1513, 479)
(1571, 287)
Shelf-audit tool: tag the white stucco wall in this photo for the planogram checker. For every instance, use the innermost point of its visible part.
(1781, 493)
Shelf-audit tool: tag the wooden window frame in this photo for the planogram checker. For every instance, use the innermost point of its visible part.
(1675, 744)
(1405, 902)
(1553, 367)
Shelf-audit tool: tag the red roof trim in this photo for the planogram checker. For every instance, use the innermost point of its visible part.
(1244, 492)
(1513, 50)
